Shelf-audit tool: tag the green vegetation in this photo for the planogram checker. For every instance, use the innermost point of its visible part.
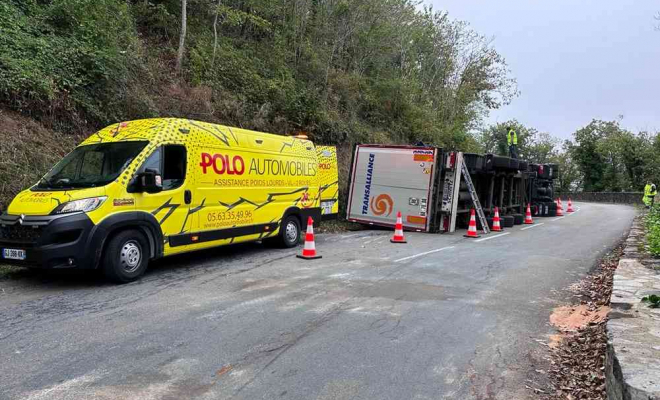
(342, 71)
(380, 71)
(6, 271)
(653, 300)
(602, 157)
(337, 69)
(653, 230)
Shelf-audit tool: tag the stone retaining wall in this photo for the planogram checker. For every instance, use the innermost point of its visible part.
(607, 197)
(632, 360)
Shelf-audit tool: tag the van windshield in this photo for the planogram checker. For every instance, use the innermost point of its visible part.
(91, 166)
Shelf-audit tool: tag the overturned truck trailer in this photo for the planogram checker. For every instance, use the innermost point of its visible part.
(426, 186)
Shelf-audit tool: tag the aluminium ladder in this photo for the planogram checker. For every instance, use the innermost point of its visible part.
(475, 197)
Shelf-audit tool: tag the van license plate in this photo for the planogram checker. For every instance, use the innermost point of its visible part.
(13, 254)
(327, 206)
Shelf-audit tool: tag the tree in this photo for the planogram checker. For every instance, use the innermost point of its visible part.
(570, 177)
(611, 158)
(182, 34)
(533, 146)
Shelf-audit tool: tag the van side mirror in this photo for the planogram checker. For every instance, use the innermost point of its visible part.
(151, 181)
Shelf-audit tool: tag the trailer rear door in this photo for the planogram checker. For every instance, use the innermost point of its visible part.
(388, 179)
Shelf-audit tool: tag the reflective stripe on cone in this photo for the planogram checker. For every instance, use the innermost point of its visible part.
(569, 209)
(528, 215)
(496, 221)
(472, 228)
(309, 251)
(398, 230)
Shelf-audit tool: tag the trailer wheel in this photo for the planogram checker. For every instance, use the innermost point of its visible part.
(489, 220)
(289, 235)
(518, 219)
(126, 257)
(507, 221)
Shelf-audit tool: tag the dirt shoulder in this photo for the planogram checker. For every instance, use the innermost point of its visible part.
(577, 351)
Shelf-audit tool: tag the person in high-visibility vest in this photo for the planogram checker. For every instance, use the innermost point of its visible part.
(649, 194)
(512, 142)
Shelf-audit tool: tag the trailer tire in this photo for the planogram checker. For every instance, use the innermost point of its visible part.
(507, 221)
(518, 219)
(489, 220)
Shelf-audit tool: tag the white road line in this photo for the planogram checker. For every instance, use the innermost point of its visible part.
(423, 254)
(557, 219)
(533, 226)
(492, 237)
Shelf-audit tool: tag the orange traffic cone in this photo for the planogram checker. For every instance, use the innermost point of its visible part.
(528, 215)
(398, 230)
(472, 228)
(496, 221)
(560, 209)
(570, 206)
(309, 251)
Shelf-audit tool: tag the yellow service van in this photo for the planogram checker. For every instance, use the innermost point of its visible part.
(140, 190)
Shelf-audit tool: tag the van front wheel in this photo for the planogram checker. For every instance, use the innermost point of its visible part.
(126, 257)
(289, 232)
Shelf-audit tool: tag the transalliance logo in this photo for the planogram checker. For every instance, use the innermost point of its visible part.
(367, 184)
(382, 204)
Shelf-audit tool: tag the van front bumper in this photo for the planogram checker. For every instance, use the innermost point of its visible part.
(50, 241)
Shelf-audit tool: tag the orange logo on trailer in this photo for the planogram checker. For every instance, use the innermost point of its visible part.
(382, 204)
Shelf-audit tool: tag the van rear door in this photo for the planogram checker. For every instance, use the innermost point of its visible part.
(328, 181)
(389, 179)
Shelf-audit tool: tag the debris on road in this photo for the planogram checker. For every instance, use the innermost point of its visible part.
(578, 351)
(574, 318)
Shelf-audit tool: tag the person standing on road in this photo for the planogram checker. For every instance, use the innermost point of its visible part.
(649, 194)
(512, 142)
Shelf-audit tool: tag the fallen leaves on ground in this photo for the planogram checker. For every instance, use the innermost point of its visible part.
(577, 369)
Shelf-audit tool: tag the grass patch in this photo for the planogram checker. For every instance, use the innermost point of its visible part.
(6, 271)
(339, 226)
(653, 231)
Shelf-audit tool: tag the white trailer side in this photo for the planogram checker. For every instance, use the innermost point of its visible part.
(389, 179)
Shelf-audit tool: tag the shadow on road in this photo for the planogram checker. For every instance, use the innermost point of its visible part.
(174, 268)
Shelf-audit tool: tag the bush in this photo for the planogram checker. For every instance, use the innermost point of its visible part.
(66, 57)
(653, 230)
(27, 152)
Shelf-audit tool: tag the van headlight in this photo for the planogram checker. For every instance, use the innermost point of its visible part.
(82, 205)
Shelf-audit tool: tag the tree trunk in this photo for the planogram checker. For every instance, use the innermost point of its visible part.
(182, 36)
(215, 33)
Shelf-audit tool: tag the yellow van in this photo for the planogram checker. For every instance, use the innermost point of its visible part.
(136, 191)
(328, 181)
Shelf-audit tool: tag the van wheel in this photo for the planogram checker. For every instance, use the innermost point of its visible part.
(126, 257)
(289, 232)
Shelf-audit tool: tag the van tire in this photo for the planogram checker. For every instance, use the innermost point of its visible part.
(286, 237)
(126, 257)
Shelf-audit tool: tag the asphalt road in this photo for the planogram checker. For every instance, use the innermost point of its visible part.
(439, 317)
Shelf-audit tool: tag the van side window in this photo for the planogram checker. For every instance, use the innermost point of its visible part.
(170, 162)
(153, 162)
(174, 167)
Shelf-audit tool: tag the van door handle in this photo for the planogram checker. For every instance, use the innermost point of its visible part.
(187, 197)
(259, 141)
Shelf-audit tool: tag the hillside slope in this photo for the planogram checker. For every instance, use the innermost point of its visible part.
(340, 71)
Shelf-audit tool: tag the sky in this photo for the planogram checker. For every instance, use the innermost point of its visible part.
(574, 60)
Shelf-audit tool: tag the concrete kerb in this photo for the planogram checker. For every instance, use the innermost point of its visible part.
(632, 360)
